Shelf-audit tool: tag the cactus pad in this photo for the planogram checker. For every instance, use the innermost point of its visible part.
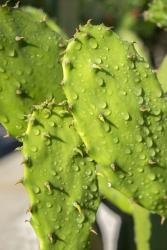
(29, 66)
(119, 112)
(60, 180)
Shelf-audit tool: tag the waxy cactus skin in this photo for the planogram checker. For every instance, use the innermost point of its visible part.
(60, 179)
(119, 112)
(30, 70)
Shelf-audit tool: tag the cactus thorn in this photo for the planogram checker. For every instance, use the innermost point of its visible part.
(19, 38)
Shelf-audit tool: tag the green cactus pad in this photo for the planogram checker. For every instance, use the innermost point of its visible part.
(29, 66)
(162, 74)
(157, 13)
(119, 112)
(60, 180)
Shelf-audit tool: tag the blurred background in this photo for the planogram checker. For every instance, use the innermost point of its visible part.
(115, 228)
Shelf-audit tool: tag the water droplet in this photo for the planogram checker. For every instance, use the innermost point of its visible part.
(2, 70)
(157, 112)
(36, 190)
(140, 100)
(100, 82)
(59, 209)
(147, 66)
(12, 53)
(159, 93)
(124, 93)
(152, 176)
(93, 187)
(128, 151)
(93, 43)
(49, 205)
(139, 138)
(76, 168)
(121, 176)
(103, 105)
(53, 173)
(52, 124)
(116, 140)
(142, 157)
(149, 142)
(130, 181)
(107, 112)
(37, 132)
(159, 128)
(5, 119)
(140, 170)
(139, 92)
(116, 67)
(107, 127)
(85, 187)
(80, 218)
(109, 184)
(141, 121)
(98, 60)
(34, 149)
(137, 80)
(75, 97)
(89, 172)
(113, 166)
(126, 116)
(152, 152)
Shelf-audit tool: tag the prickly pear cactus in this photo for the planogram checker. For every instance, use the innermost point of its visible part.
(119, 112)
(157, 13)
(162, 74)
(60, 179)
(29, 66)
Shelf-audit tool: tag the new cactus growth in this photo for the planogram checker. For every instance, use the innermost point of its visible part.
(119, 111)
(60, 179)
(30, 70)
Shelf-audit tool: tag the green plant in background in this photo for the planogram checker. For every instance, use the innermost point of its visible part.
(157, 13)
(115, 114)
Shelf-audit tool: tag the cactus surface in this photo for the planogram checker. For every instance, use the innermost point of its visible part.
(30, 70)
(60, 179)
(157, 13)
(119, 112)
(162, 74)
